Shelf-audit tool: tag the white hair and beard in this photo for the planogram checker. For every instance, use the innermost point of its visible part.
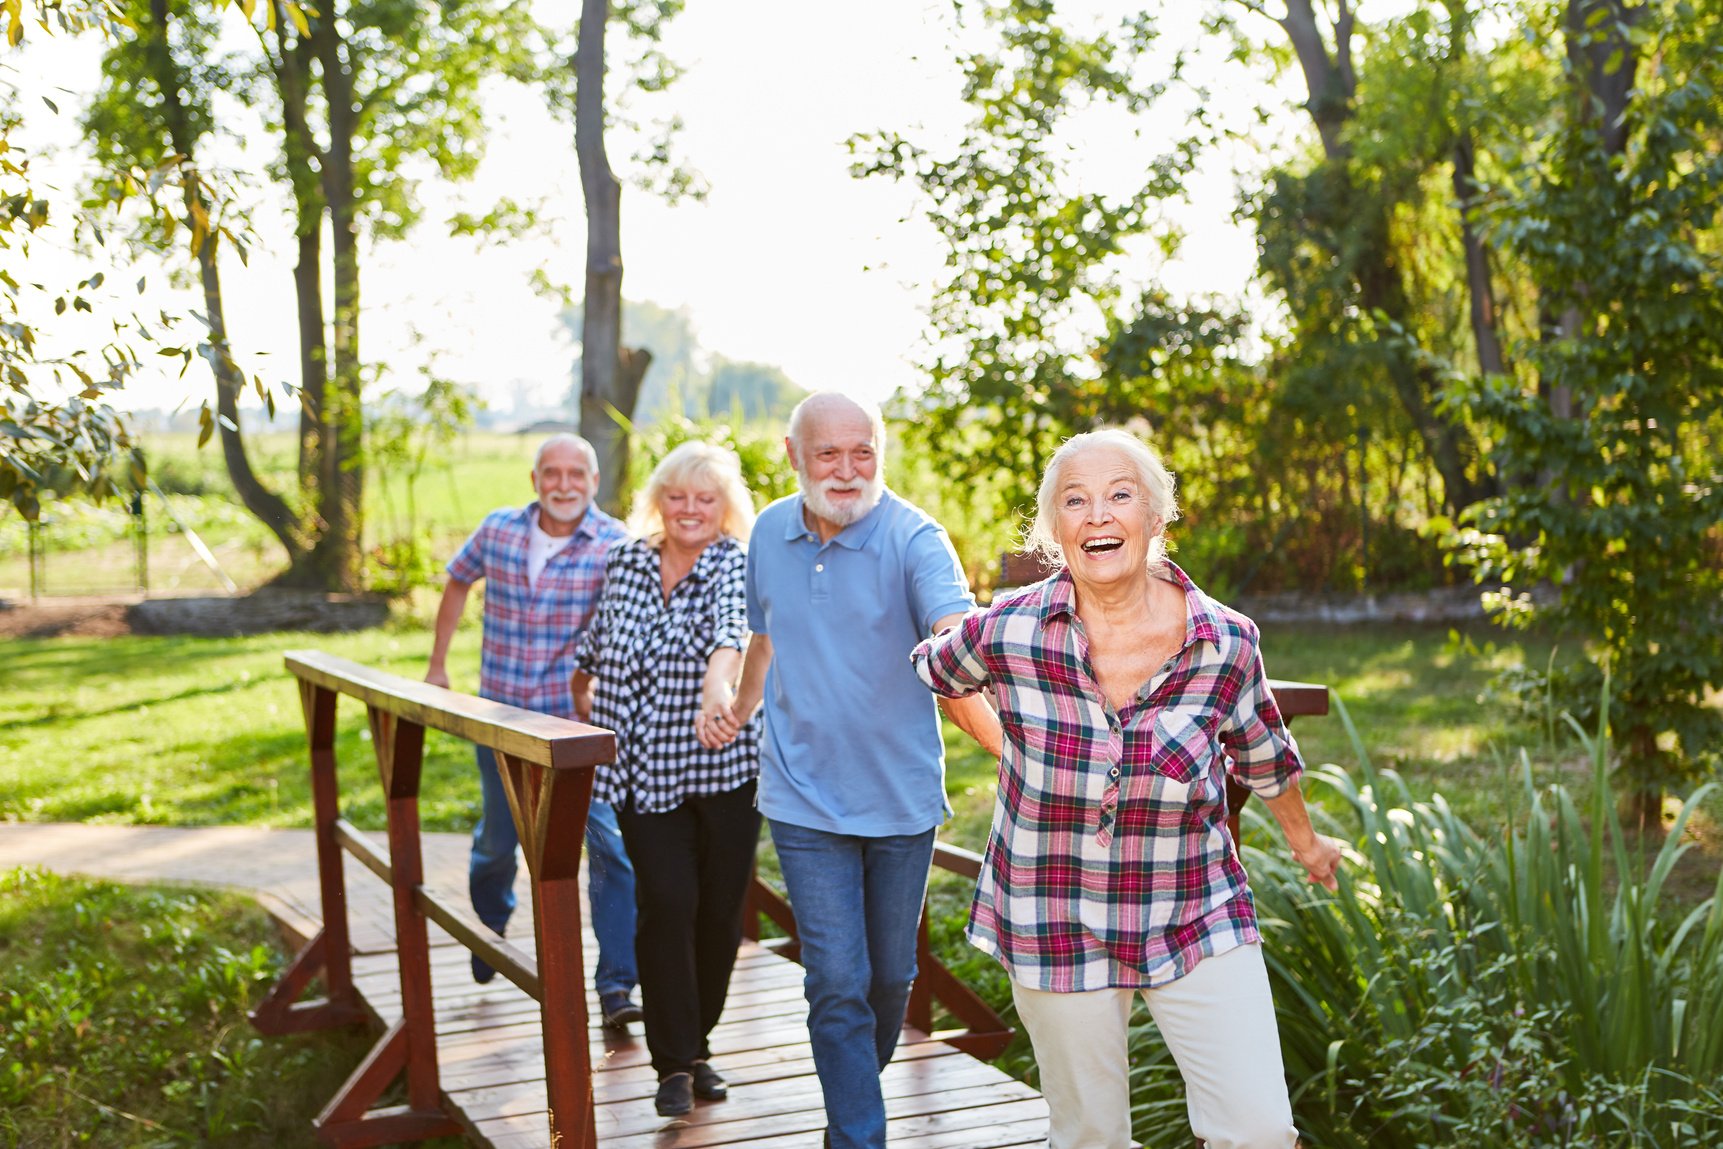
(817, 496)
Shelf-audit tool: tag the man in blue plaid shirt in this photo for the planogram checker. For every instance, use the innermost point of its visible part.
(544, 567)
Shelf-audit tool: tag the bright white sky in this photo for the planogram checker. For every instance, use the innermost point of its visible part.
(789, 261)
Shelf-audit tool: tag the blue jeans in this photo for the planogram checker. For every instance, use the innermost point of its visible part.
(609, 877)
(857, 903)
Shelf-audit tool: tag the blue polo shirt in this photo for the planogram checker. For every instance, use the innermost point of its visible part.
(851, 742)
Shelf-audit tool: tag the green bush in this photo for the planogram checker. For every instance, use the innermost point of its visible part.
(1526, 989)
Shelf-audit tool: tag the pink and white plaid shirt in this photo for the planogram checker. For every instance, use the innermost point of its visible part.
(1109, 863)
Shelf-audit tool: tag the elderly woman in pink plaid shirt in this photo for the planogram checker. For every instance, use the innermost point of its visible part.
(1126, 696)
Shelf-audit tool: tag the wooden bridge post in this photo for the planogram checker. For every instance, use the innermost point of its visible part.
(329, 951)
(549, 809)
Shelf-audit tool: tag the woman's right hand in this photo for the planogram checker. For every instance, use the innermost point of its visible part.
(715, 725)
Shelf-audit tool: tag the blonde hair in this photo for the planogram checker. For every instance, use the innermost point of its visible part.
(1042, 538)
(701, 466)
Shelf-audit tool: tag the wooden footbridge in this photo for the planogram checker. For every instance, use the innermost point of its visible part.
(522, 1062)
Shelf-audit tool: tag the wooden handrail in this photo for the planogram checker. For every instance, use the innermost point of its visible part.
(546, 766)
(525, 734)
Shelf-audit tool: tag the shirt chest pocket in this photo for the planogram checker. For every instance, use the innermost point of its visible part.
(687, 632)
(1181, 744)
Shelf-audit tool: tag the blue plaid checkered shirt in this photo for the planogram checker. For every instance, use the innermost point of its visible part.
(531, 632)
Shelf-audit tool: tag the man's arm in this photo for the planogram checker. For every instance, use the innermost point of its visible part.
(580, 686)
(449, 611)
(973, 715)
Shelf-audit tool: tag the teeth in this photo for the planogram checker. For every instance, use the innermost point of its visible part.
(1094, 545)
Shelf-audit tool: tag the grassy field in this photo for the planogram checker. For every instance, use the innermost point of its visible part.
(91, 549)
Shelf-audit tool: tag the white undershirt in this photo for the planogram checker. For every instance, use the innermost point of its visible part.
(538, 551)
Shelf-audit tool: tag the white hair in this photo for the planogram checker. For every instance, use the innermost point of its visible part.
(567, 438)
(1042, 538)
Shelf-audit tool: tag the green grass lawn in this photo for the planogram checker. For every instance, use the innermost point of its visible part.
(197, 732)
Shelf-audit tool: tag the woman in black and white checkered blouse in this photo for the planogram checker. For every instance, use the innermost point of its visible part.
(670, 627)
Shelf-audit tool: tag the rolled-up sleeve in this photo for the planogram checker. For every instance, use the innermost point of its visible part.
(951, 662)
(468, 565)
(730, 603)
(589, 652)
(1263, 756)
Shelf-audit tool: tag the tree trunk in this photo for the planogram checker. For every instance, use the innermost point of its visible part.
(268, 507)
(293, 80)
(1491, 359)
(1331, 84)
(610, 374)
(342, 425)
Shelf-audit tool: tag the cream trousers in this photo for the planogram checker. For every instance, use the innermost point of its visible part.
(1218, 1021)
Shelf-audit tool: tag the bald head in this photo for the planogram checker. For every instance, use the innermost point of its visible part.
(824, 412)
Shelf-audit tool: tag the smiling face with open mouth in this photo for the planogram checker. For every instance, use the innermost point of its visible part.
(1106, 524)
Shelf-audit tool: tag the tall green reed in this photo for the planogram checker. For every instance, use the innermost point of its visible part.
(1524, 987)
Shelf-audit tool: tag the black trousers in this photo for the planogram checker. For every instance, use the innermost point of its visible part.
(691, 871)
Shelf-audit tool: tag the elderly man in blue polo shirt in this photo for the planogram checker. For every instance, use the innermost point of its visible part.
(843, 580)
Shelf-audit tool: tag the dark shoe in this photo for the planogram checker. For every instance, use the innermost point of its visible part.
(482, 972)
(675, 1095)
(619, 1011)
(709, 1084)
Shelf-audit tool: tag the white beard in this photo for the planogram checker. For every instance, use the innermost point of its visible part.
(563, 510)
(816, 495)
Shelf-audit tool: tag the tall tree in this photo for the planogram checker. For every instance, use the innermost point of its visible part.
(170, 70)
(1619, 219)
(361, 94)
(1034, 250)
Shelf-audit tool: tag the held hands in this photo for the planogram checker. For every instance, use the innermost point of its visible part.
(1321, 860)
(716, 726)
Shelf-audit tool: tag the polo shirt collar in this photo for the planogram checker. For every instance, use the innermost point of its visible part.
(854, 537)
(1202, 622)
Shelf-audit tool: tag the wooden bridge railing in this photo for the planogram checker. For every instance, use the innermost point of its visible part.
(546, 766)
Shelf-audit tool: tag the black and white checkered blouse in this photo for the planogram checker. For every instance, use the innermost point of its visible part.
(649, 658)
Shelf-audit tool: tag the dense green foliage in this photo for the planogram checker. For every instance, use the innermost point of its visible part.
(122, 1021)
(1495, 255)
(1621, 500)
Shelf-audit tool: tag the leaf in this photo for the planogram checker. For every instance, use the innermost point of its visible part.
(205, 425)
(52, 106)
